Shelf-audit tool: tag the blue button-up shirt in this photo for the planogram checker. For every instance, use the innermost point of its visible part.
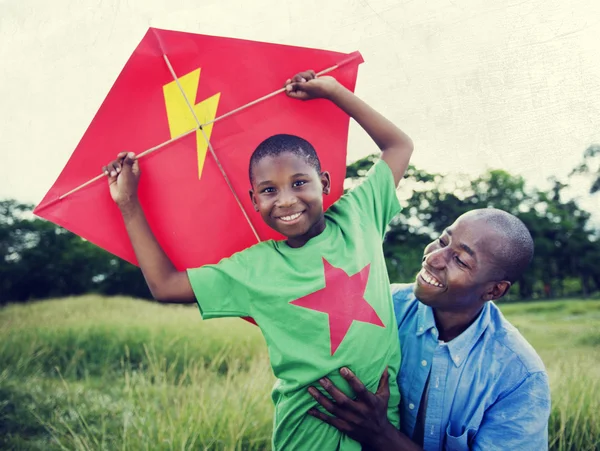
(488, 388)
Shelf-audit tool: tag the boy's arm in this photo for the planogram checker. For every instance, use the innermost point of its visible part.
(166, 283)
(395, 145)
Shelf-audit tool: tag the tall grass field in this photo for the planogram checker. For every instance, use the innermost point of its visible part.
(94, 373)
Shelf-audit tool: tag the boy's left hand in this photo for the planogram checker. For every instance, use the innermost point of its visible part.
(306, 86)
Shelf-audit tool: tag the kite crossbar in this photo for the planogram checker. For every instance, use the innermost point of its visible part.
(351, 57)
(100, 176)
(273, 94)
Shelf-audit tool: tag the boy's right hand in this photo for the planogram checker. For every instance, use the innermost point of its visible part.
(306, 86)
(123, 178)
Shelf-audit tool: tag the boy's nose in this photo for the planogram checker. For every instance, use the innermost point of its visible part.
(286, 199)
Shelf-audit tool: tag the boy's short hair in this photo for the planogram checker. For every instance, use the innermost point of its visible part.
(278, 144)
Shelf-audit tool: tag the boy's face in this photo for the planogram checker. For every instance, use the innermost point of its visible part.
(288, 194)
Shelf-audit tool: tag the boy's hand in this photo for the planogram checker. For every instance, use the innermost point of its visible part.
(306, 86)
(123, 177)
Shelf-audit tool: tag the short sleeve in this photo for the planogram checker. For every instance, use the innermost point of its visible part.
(376, 196)
(222, 289)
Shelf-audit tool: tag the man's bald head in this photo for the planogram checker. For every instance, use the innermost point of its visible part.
(515, 252)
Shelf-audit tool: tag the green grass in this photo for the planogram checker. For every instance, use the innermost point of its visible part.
(93, 373)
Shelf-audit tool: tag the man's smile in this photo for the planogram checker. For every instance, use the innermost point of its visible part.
(430, 279)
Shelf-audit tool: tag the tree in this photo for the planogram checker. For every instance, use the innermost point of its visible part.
(590, 167)
(43, 260)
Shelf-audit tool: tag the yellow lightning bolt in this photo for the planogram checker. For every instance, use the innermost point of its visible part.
(180, 117)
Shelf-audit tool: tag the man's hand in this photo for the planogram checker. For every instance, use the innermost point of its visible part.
(364, 419)
(123, 178)
(306, 85)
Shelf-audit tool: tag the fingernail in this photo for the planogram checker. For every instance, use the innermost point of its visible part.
(131, 155)
(113, 173)
(118, 169)
(303, 79)
(344, 371)
(312, 390)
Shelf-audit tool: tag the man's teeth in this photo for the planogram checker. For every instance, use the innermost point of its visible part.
(290, 217)
(430, 280)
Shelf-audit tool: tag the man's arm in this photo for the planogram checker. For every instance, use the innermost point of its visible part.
(519, 420)
(363, 419)
(395, 145)
(166, 283)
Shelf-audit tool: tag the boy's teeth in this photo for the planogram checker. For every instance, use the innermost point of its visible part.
(290, 217)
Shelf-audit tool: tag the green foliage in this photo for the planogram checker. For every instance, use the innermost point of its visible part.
(42, 260)
(566, 246)
(168, 380)
(590, 167)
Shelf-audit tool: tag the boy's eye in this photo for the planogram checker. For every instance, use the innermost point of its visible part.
(298, 183)
(268, 190)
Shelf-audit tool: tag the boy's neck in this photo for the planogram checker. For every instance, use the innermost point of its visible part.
(316, 229)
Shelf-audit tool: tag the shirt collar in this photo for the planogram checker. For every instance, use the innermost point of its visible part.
(461, 346)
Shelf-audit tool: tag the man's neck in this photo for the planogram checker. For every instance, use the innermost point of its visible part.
(451, 324)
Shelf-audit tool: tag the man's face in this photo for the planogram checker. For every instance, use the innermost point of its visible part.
(458, 269)
(288, 194)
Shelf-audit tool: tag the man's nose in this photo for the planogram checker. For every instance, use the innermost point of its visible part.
(437, 259)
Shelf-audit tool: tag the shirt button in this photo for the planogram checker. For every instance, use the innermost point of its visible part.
(434, 332)
(411, 406)
(457, 359)
(423, 362)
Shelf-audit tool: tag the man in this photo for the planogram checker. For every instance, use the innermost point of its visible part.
(468, 379)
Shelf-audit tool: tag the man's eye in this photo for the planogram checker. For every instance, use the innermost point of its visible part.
(460, 262)
(442, 242)
(298, 183)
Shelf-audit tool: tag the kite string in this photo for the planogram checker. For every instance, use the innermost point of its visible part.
(198, 127)
(212, 150)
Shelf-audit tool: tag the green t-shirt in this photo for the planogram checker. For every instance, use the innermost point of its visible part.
(320, 307)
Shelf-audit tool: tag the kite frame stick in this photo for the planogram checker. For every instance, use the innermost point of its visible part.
(212, 150)
(200, 126)
(268, 96)
(145, 152)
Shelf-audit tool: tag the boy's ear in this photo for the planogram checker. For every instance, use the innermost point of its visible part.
(326, 182)
(251, 192)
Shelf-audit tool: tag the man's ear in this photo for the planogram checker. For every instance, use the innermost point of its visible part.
(253, 199)
(497, 290)
(326, 182)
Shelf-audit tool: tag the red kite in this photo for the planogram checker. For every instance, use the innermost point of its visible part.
(176, 91)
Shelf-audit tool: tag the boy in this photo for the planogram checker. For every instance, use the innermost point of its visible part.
(343, 315)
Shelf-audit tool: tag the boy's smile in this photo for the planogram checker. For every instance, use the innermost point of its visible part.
(288, 194)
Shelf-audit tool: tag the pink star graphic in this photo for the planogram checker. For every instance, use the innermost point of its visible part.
(343, 300)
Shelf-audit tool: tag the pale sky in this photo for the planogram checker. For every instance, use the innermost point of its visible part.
(476, 84)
